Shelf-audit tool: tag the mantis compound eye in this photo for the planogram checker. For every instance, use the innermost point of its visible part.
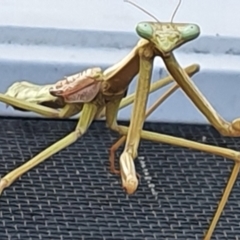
(144, 30)
(190, 32)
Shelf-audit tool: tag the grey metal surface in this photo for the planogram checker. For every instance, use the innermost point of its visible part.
(217, 18)
(73, 196)
(46, 40)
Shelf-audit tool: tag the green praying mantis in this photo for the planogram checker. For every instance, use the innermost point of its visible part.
(97, 93)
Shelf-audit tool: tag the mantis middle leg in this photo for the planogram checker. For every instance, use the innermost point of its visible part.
(151, 109)
(231, 181)
(128, 172)
(127, 168)
(220, 151)
(190, 70)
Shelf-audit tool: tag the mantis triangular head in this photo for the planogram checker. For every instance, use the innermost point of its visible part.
(166, 36)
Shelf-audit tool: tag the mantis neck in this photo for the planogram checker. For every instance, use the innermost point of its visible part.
(118, 77)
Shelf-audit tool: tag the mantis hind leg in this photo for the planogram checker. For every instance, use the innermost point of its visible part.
(26, 96)
(88, 114)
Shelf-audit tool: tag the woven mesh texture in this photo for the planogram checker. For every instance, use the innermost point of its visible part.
(72, 195)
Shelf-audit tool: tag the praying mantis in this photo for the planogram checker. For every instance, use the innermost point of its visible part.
(96, 93)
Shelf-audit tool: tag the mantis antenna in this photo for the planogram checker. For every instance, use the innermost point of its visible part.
(137, 6)
(175, 11)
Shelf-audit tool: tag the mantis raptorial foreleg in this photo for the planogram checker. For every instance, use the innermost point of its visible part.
(186, 84)
(128, 172)
(155, 105)
(190, 70)
(88, 114)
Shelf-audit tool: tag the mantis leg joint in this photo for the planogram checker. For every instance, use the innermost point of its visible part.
(79, 132)
(237, 157)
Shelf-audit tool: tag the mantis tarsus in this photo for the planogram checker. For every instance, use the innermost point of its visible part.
(99, 93)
